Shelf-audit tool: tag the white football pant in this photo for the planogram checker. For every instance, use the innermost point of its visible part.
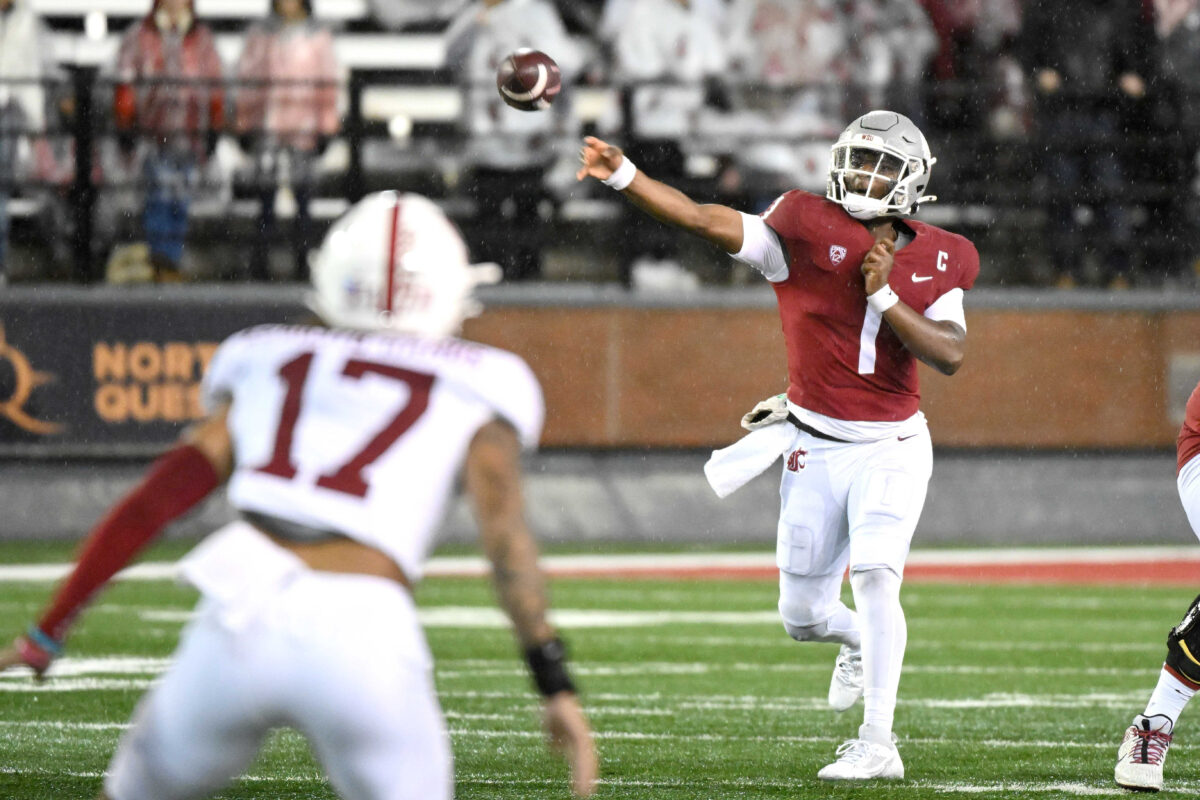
(845, 504)
(1189, 492)
(340, 658)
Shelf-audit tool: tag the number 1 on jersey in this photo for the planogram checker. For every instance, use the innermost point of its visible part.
(348, 478)
(294, 374)
(866, 341)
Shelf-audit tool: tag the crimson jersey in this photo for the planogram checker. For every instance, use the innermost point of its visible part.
(1188, 444)
(843, 360)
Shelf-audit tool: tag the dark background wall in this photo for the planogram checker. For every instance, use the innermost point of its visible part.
(1058, 429)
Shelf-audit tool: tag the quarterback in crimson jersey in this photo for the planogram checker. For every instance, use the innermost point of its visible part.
(341, 444)
(863, 293)
(827, 324)
(1143, 749)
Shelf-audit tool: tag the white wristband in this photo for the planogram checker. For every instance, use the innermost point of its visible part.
(622, 176)
(884, 299)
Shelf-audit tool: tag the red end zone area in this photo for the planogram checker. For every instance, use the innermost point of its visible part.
(1116, 565)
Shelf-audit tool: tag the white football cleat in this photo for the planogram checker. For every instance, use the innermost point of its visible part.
(864, 760)
(846, 686)
(1143, 752)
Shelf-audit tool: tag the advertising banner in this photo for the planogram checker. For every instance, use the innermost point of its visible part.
(88, 375)
(111, 372)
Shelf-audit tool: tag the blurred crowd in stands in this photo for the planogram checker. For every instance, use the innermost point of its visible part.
(1068, 134)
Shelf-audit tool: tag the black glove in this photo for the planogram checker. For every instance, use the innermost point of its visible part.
(322, 144)
(247, 141)
(210, 142)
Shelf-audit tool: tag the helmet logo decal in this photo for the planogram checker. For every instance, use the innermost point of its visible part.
(836, 253)
(393, 240)
(412, 295)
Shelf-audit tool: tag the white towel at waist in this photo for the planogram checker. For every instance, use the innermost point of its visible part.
(732, 467)
(238, 570)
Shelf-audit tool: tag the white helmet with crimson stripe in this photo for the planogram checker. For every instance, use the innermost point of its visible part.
(395, 262)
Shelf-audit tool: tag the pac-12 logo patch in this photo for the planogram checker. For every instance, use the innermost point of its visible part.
(796, 460)
(836, 253)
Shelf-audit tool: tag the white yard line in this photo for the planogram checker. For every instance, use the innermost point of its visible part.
(633, 563)
(1007, 788)
(58, 725)
(480, 668)
(631, 735)
(1078, 789)
(492, 617)
(16, 683)
(9, 685)
(45, 773)
(110, 665)
(40, 573)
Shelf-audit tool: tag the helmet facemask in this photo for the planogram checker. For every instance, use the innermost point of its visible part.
(870, 179)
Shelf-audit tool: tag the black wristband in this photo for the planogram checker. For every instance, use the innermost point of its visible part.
(548, 664)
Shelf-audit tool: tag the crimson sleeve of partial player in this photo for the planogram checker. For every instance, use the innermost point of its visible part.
(173, 485)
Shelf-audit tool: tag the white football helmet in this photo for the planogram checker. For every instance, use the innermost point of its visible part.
(880, 166)
(395, 262)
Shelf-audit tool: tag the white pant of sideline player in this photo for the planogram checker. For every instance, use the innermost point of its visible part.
(340, 658)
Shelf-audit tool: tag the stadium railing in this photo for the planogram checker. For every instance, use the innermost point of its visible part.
(403, 127)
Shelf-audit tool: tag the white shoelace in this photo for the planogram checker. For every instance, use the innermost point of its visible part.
(853, 750)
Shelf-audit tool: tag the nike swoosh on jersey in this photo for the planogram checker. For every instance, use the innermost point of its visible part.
(903, 438)
(915, 279)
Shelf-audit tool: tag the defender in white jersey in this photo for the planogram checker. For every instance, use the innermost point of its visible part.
(341, 446)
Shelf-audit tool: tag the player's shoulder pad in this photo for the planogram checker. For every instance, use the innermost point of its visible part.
(503, 381)
(799, 214)
(961, 259)
(223, 369)
(247, 341)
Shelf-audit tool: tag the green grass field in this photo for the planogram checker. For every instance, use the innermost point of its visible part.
(1008, 691)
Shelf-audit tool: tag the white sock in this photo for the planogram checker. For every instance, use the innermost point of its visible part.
(884, 637)
(1169, 697)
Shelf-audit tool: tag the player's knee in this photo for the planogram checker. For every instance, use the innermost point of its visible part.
(1183, 644)
(818, 632)
(804, 621)
(875, 580)
(799, 611)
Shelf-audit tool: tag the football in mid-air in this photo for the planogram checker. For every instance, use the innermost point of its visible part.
(528, 80)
